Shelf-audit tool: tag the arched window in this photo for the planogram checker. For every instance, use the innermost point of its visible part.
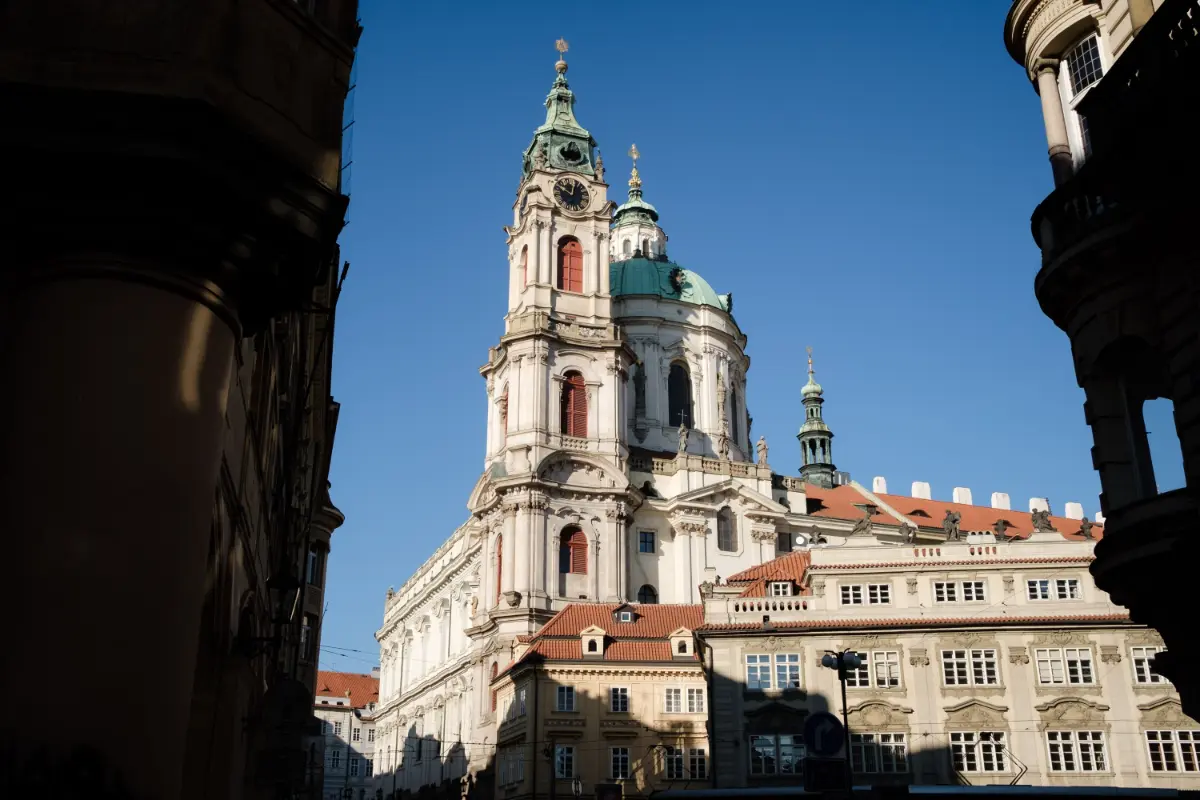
(524, 266)
(646, 248)
(572, 552)
(682, 647)
(627, 248)
(647, 594)
(499, 563)
(735, 415)
(727, 538)
(592, 646)
(574, 406)
(679, 396)
(495, 672)
(570, 265)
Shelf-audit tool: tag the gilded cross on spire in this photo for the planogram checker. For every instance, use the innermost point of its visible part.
(635, 180)
(809, 351)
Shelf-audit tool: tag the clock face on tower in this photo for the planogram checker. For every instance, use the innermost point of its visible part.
(571, 194)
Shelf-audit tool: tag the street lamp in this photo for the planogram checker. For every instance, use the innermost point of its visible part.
(844, 662)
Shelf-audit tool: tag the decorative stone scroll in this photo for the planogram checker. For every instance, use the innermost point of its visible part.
(918, 657)
(1165, 712)
(877, 715)
(1110, 654)
(1018, 655)
(1072, 712)
(976, 715)
(912, 584)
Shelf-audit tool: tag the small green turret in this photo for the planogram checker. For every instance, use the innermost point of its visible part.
(816, 440)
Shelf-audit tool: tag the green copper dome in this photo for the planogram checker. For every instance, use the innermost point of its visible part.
(647, 276)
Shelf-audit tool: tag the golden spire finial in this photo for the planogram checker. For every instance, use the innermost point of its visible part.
(635, 180)
(561, 46)
(809, 351)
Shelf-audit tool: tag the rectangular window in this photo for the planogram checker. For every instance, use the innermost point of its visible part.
(695, 701)
(1068, 665)
(1076, 751)
(885, 665)
(781, 589)
(646, 543)
(973, 591)
(370, 767)
(978, 751)
(370, 734)
(852, 595)
(1083, 65)
(1067, 589)
(564, 761)
(618, 699)
(673, 763)
(698, 763)
(1142, 672)
(1060, 589)
(335, 759)
(565, 700)
(783, 543)
(313, 570)
(620, 763)
(860, 678)
(970, 668)
(758, 671)
(781, 754)
(521, 702)
(879, 594)
(879, 752)
(337, 729)
(674, 701)
(1173, 751)
(1038, 589)
(787, 670)
(354, 768)
(355, 734)
(944, 592)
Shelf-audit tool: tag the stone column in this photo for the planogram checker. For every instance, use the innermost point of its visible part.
(510, 550)
(117, 382)
(1056, 124)
(602, 258)
(612, 573)
(523, 538)
(595, 567)
(546, 265)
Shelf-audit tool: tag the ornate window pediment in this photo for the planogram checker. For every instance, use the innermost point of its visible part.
(1166, 712)
(878, 715)
(976, 714)
(1072, 712)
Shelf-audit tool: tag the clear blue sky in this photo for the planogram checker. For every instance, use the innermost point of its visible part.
(861, 178)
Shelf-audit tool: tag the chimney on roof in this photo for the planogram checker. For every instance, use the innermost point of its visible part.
(1099, 518)
(1000, 500)
(1073, 511)
(962, 495)
(767, 624)
(375, 673)
(879, 484)
(1038, 504)
(921, 491)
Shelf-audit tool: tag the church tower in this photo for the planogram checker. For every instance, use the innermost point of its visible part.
(552, 500)
(816, 440)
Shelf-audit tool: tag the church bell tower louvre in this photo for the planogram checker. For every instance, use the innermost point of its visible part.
(554, 499)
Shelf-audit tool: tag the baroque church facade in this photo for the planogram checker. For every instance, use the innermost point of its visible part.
(619, 463)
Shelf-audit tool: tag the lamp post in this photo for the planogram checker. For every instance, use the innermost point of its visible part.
(843, 662)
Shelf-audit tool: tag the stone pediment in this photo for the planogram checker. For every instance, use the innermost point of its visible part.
(581, 472)
(878, 714)
(775, 717)
(729, 492)
(975, 714)
(1165, 712)
(483, 495)
(1067, 712)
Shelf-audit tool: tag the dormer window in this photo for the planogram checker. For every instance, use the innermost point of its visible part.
(625, 616)
(592, 646)
(781, 589)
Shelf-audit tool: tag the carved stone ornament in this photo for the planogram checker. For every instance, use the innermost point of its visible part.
(1008, 584)
(818, 587)
(474, 606)
(1144, 637)
(762, 535)
(1110, 654)
(918, 657)
(863, 526)
(1166, 712)
(1018, 655)
(976, 715)
(1041, 521)
(950, 524)
(1071, 712)
(878, 715)
(706, 589)
(513, 599)
(912, 584)
(1061, 639)
(908, 532)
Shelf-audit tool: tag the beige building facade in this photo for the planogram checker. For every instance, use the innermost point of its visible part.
(345, 705)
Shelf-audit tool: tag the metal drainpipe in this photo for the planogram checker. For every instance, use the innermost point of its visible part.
(712, 756)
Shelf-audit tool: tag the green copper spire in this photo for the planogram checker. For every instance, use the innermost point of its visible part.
(816, 440)
(561, 144)
(635, 209)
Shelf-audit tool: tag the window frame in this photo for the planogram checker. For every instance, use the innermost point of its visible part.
(615, 753)
(567, 692)
(1183, 747)
(997, 751)
(883, 591)
(1076, 135)
(728, 540)
(678, 700)
(761, 663)
(698, 763)
(780, 589)
(570, 265)
(1054, 589)
(1064, 661)
(564, 756)
(647, 537)
(573, 405)
(851, 594)
(1071, 747)
(881, 743)
(696, 700)
(673, 763)
(1140, 657)
(971, 660)
(615, 692)
(795, 747)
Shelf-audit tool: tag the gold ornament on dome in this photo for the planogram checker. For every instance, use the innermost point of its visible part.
(561, 46)
(635, 180)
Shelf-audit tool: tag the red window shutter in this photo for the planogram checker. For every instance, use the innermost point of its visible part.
(578, 545)
(499, 564)
(574, 416)
(570, 266)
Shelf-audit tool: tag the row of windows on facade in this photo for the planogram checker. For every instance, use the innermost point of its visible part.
(1067, 751)
(971, 591)
(356, 766)
(676, 700)
(880, 669)
(356, 731)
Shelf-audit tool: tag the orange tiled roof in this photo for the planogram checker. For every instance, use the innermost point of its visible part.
(572, 650)
(789, 567)
(914, 622)
(647, 638)
(838, 503)
(362, 689)
(966, 562)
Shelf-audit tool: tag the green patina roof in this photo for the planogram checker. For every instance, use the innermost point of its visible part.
(651, 277)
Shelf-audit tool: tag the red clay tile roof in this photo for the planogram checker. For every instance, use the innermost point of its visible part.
(839, 503)
(838, 624)
(647, 638)
(789, 567)
(1082, 558)
(363, 689)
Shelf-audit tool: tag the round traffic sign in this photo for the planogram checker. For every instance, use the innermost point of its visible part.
(824, 735)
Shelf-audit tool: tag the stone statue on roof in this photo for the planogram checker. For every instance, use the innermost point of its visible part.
(599, 166)
(1000, 527)
(950, 525)
(863, 526)
(818, 538)
(1041, 521)
(723, 446)
(908, 532)
(762, 451)
(683, 438)
(1085, 528)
